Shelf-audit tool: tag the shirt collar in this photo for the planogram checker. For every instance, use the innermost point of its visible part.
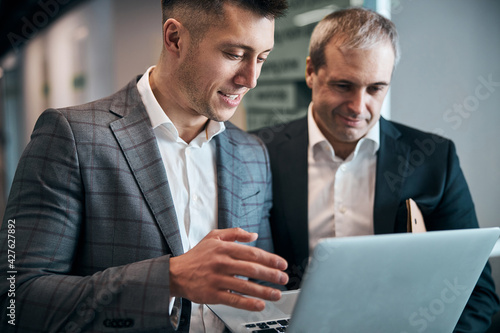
(159, 118)
(316, 138)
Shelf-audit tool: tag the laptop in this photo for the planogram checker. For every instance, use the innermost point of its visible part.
(399, 283)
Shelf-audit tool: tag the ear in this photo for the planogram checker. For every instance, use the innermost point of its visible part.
(171, 36)
(309, 72)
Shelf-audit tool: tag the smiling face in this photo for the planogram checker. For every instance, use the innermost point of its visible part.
(348, 92)
(219, 70)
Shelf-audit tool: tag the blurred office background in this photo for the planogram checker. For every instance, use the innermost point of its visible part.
(55, 53)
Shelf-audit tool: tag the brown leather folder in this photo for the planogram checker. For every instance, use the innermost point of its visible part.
(415, 220)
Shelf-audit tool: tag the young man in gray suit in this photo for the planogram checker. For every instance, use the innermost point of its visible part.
(128, 213)
(345, 171)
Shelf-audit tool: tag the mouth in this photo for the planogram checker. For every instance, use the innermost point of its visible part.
(350, 121)
(231, 100)
(233, 97)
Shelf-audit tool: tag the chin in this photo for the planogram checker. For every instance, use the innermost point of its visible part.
(222, 116)
(354, 136)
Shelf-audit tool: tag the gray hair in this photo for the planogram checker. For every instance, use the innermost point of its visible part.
(353, 28)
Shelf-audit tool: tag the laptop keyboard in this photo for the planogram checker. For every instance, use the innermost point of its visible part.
(268, 327)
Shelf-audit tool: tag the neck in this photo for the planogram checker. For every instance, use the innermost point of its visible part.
(343, 150)
(188, 124)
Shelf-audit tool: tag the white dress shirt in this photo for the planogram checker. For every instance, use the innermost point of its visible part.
(192, 176)
(341, 192)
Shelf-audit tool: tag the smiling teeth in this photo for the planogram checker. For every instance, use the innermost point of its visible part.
(233, 97)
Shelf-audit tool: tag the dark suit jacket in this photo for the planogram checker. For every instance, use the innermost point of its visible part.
(95, 223)
(410, 164)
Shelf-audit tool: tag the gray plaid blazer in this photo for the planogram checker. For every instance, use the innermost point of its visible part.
(95, 223)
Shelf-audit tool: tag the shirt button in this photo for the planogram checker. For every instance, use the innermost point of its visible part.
(343, 167)
(343, 209)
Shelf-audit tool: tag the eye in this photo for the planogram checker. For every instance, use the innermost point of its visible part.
(375, 89)
(342, 87)
(233, 56)
(261, 59)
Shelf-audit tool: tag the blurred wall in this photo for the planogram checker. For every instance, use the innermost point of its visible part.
(137, 38)
(70, 62)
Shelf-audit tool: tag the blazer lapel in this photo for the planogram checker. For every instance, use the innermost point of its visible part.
(391, 169)
(136, 138)
(229, 171)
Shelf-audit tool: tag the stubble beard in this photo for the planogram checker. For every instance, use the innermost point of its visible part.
(188, 79)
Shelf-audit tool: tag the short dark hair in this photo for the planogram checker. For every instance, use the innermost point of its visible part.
(198, 15)
(267, 8)
(352, 28)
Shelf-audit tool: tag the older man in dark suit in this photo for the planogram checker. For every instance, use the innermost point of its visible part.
(118, 205)
(344, 170)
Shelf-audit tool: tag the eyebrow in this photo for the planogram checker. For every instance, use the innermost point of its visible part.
(382, 83)
(343, 81)
(243, 47)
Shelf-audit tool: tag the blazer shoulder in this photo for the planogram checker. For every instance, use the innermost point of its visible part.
(106, 109)
(411, 135)
(276, 134)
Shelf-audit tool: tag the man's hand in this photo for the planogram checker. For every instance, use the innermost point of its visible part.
(207, 273)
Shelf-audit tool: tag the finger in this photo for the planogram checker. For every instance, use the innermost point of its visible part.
(246, 295)
(235, 235)
(258, 272)
(241, 302)
(253, 254)
(253, 289)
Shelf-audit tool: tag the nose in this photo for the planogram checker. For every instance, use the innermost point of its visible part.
(248, 74)
(357, 102)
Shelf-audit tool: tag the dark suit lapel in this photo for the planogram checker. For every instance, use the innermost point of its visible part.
(291, 157)
(136, 138)
(229, 173)
(392, 167)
